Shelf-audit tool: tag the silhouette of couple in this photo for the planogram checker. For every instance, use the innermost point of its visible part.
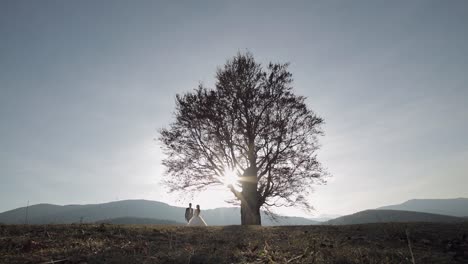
(192, 217)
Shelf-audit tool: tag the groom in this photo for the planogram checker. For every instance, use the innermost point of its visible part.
(188, 213)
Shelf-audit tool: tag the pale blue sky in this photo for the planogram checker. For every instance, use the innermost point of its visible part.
(84, 86)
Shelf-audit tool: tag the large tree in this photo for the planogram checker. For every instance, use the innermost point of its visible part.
(251, 124)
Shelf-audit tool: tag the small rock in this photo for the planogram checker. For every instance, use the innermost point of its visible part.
(426, 241)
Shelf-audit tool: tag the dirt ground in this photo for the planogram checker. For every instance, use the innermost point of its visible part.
(371, 243)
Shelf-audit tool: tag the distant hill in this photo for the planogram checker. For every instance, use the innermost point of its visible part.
(325, 217)
(453, 207)
(49, 213)
(381, 216)
(138, 221)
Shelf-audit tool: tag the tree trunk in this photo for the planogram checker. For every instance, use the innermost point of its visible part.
(250, 215)
(250, 208)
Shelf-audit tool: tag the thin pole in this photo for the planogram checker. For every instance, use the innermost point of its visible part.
(27, 209)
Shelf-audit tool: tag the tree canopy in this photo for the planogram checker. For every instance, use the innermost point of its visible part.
(251, 123)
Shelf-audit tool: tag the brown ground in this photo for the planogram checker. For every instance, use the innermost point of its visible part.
(371, 243)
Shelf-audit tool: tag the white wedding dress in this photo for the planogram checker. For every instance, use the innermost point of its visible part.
(196, 220)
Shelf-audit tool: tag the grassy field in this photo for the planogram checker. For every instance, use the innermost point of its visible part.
(371, 243)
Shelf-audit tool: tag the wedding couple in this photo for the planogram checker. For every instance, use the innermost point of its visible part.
(193, 218)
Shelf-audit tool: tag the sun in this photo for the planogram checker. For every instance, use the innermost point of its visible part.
(222, 192)
(230, 177)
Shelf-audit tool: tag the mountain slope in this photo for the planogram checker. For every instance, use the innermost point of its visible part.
(381, 216)
(453, 207)
(47, 213)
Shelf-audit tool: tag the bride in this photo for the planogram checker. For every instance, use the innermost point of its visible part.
(197, 220)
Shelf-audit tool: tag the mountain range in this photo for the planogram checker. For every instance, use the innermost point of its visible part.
(125, 210)
(454, 207)
(381, 216)
(153, 212)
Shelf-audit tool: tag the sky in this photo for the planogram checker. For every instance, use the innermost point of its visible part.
(85, 86)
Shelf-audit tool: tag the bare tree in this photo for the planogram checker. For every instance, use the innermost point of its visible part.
(252, 124)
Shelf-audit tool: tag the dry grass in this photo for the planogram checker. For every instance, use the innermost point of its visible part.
(372, 243)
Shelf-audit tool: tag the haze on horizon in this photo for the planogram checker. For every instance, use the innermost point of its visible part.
(85, 85)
